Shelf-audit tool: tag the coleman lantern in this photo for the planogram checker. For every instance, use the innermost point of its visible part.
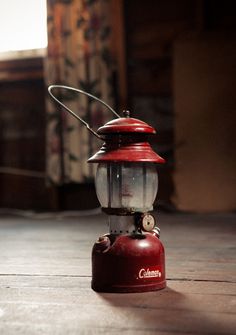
(130, 257)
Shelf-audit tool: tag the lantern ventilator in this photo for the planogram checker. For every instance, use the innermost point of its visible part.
(130, 258)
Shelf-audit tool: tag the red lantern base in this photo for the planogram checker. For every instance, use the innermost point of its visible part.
(128, 263)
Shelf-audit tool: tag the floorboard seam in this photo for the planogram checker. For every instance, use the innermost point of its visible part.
(89, 276)
(202, 280)
(40, 275)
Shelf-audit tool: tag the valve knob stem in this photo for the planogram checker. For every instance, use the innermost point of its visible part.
(126, 113)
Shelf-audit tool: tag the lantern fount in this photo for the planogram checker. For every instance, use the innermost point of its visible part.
(130, 257)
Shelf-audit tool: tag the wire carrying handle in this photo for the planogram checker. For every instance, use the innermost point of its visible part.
(51, 87)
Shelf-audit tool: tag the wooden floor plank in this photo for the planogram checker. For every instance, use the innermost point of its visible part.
(45, 275)
(168, 310)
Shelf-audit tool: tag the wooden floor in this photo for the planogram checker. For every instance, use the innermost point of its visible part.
(45, 275)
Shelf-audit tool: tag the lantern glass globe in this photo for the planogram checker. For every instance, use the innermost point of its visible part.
(129, 185)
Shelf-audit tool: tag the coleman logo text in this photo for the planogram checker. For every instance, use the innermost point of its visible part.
(146, 273)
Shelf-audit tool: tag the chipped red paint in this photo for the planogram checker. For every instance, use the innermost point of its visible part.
(130, 264)
(126, 140)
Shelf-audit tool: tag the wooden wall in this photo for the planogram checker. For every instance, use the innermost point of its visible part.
(22, 135)
(144, 36)
(151, 31)
(205, 123)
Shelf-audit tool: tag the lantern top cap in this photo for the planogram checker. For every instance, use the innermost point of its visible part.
(126, 124)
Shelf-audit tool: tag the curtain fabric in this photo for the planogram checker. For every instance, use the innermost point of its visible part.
(79, 39)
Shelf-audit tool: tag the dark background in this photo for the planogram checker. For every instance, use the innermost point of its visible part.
(145, 37)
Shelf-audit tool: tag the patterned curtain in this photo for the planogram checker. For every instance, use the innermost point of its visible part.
(79, 37)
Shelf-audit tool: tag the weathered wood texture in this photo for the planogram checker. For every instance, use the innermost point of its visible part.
(204, 85)
(45, 275)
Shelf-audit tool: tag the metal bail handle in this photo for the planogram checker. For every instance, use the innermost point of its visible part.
(51, 87)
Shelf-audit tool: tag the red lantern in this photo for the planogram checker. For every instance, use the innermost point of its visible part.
(130, 258)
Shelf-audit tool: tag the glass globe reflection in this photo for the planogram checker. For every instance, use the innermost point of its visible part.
(131, 186)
